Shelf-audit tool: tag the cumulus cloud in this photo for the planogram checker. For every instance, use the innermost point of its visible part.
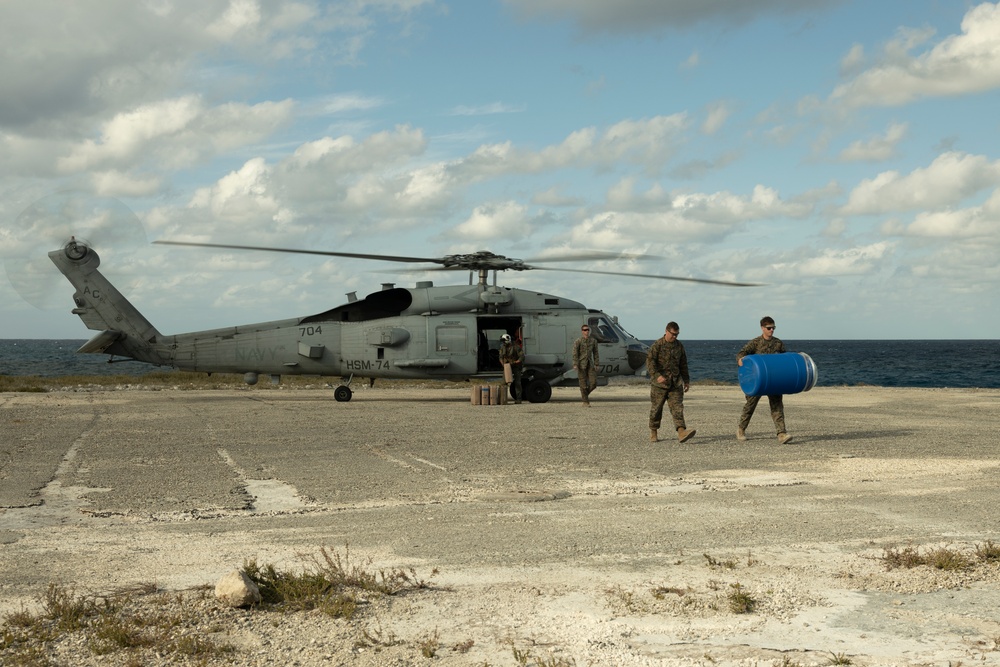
(948, 180)
(507, 219)
(128, 133)
(678, 217)
(648, 142)
(977, 222)
(176, 133)
(624, 16)
(91, 91)
(383, 178)
(876, 149)
(959, 64)
(121, 54)
(240, 15)
(851, 261)
(242, 196)
(378, 176)
(852, 62)
(333, 183)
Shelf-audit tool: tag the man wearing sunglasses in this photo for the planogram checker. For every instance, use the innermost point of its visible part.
(585, 361)
(765, 343)
(667, 365)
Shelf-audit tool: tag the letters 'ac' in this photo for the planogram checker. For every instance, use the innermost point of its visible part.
(421, 332)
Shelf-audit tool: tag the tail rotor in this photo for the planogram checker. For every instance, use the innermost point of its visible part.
(50, 222)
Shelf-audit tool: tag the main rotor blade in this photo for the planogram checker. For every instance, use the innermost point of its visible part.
(650, 275)
(328, 253)
(482, 260)
(590, 255)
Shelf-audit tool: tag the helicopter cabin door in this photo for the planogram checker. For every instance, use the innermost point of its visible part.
(489, 330)
(452, 339)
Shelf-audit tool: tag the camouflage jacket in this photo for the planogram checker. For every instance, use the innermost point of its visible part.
(511, 353)
(760, 346)
(669, 360)
(585, 354)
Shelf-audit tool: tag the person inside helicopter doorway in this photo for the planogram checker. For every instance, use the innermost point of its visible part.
(512, 353)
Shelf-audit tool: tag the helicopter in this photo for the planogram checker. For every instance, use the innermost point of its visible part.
(422, 332)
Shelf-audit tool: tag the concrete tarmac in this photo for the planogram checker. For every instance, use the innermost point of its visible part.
(103, 488)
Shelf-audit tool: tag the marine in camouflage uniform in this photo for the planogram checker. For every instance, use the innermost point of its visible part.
(667, 366)
(586, 358)
(766, 343)
(511, 353)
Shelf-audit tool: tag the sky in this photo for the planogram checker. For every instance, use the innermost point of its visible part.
(845, 155)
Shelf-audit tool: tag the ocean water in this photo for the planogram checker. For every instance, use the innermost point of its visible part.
(883, 363)
(886, 363)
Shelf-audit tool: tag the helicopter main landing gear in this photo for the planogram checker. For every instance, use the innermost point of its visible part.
(536, 390)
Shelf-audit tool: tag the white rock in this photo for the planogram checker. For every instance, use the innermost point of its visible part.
(236, 590)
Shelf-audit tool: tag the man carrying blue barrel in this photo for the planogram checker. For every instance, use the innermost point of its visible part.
(765, 343)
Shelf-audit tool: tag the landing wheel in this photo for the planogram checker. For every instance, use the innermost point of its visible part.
(537, 391)
(342, 393)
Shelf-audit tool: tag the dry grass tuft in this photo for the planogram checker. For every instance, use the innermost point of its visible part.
(141, 625)
(940, 558)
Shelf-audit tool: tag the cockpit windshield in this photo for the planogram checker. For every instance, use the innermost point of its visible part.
(604, 330)
(627, 335)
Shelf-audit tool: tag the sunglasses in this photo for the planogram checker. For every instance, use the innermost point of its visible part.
(584, 329)
(769, 328)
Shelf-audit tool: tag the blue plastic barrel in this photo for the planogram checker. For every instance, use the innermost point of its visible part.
(769, 374)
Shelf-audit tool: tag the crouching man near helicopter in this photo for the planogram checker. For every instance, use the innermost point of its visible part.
(585, 361)
(667, 365)
(511, 353)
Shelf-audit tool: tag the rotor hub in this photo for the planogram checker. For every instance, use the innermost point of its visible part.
(483, 260)
(75, 250)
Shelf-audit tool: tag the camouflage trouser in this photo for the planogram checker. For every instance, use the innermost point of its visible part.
(777, 412)
(674, 398)
(518, 388)
(588, 380)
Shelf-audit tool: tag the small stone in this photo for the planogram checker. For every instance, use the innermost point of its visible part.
(236, 590)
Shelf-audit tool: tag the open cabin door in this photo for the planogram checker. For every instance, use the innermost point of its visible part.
(488, 330)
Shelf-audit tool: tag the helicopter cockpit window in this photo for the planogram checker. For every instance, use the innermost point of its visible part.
(602, 330)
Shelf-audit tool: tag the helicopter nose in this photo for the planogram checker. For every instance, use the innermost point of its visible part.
(636, 357)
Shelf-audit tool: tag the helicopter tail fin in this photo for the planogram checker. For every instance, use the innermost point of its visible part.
(123, 329)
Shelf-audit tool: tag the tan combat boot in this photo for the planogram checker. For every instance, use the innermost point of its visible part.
(741, 434)
(652, 435)
(683, 434)
(784, 438)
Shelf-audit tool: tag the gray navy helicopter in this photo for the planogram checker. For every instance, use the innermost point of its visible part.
(422, 332)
